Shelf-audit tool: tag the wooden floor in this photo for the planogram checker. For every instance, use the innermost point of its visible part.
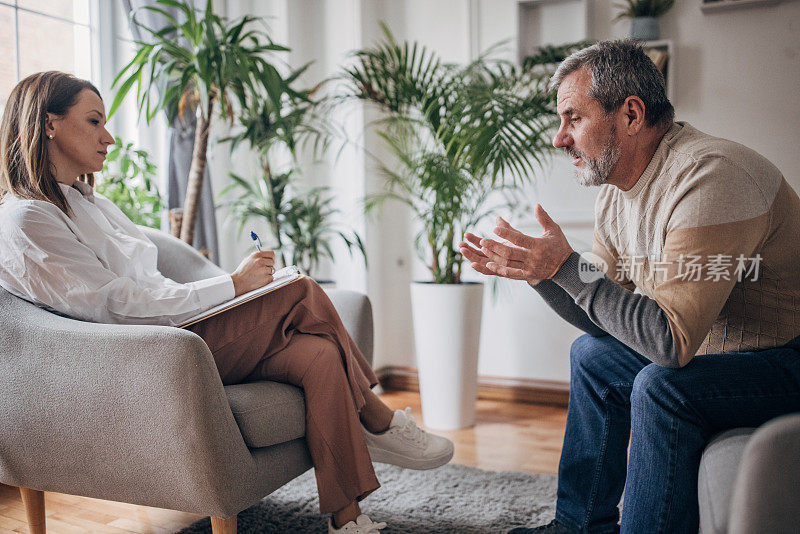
(507, 436)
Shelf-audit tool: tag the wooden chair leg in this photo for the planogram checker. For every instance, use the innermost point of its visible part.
(223, 526)
(34, 508)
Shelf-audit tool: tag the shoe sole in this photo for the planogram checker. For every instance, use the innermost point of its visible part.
(388, 457)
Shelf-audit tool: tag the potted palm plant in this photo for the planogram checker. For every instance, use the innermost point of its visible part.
(644, 16)
(460, 138)
(201, 64)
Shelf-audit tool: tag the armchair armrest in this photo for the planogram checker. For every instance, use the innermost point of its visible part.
(129, 413)
(766, 497)
(355, 310)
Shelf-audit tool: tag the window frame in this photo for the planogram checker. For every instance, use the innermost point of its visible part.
(93, 27)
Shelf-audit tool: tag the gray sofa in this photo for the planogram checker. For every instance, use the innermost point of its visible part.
(749, 480)
(138, 414)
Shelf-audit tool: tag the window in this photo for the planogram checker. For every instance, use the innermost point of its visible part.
(44, 35)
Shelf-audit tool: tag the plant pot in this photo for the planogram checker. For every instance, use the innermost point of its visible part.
(645, 28)
(447, 329)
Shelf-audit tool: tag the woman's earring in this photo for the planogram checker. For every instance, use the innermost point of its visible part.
(50, 136)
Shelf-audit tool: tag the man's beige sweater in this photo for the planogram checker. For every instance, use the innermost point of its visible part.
(710, 234)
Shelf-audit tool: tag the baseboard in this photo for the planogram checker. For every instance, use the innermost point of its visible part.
(550, 392)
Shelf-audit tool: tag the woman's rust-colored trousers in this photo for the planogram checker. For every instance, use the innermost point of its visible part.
(294, 335)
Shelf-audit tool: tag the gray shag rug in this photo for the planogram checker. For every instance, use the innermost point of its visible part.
(451, 499)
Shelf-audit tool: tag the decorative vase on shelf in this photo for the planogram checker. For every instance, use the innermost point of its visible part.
(645, 28)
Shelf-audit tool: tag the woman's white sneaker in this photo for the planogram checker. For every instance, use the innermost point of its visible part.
(362, 525)
(406, 445)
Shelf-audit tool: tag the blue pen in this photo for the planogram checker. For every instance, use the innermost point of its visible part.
(255, 238)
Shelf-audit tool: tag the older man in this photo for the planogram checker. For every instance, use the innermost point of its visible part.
(709, 232)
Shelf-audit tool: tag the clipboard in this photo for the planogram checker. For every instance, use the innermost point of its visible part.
(283, 277)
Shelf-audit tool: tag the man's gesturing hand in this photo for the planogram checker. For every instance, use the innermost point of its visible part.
(523, 257)
(255, 271)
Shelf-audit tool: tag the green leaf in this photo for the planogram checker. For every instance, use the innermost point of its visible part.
(122, 93)
(126, 180)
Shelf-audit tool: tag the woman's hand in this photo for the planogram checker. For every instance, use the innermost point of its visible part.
(255, 271)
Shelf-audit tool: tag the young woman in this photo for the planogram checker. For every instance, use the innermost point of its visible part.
(70, 250)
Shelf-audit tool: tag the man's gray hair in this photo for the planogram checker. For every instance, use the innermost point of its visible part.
(620, 69)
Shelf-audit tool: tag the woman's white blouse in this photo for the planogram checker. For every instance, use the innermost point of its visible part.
(96, 266)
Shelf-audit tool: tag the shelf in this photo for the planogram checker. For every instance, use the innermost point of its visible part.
(542, 22)
(710, 6)
(535, 3)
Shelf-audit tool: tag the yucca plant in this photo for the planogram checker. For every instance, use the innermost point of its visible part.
(457, 133)
(200, 64)
(632, 9)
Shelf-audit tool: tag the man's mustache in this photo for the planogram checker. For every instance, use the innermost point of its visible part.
(574, 152)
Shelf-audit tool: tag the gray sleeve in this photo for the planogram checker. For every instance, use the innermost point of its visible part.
(561, 302)
(635, 320)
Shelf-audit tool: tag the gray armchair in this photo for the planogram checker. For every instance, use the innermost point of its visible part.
(138, 414)
(748, 479)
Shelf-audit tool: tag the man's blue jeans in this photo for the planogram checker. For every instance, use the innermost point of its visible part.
(669, 414)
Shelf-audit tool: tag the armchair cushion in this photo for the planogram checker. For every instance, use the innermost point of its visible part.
(267, 412)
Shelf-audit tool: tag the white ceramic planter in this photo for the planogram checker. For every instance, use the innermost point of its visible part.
(447, 330)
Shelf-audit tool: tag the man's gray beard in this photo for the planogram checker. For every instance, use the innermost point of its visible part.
(597, 171)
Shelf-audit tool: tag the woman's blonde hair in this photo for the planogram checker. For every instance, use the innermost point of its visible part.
(25, 169)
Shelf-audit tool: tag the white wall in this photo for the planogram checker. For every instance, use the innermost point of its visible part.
(737, 75)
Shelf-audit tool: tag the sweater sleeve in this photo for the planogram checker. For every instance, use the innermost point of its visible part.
(561, 302)
(635, 320)
(604, 260)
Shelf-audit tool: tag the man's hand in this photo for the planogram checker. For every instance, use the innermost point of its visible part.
(523, 257)
(255, 271)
